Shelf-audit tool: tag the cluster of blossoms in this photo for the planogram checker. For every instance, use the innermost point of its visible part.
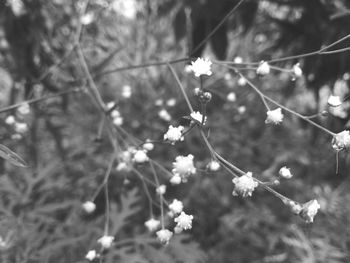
(174, 134)
(17, 122)
(274, 116)
(132, 155)
(89, 207)
(200, 67)
(213, 165)
(115, 114)
(105, 241)
(164, 115)
(244, 185)
(263, 69)
(306, 211)
(183, 167)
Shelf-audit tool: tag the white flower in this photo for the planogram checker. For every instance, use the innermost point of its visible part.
(297, 71)
(341, 140)
(171, 102)
(122, 166)
(116, 117)
(118, 121)
(161, 189)
(10, 120)
(214, 165)
(111, 105)
(91, 255)
(184, 221)
(176, 207)
(242, 109)
(197, 116)
(24, 109)
(334, 101)
(285, 173)
(178, 230)
(89, 207)
(201, 67)
(274, 116)
(238, 60)
(164, 115)
(294, 206)
(309, 210)
(158, 102)
(106, 241)
(87, 18)
(263, 69)
(148, 146)
(17, 7)
(231, 97)
(140, 156)
(174, 134)
(152, 224)
(164, 236)
(126, 91)
(242, 81)
(244, 185)
(128, 8)
(184, 167)
(176, 179)
(21, 127)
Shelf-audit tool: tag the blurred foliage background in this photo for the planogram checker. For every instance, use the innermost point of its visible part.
(41, 217)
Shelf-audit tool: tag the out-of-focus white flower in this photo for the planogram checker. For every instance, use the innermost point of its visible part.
(126, 91)
(10, 120)
(244, 185)
(91, 255)
(176, 207)
(242, 109)
(116, 117)
(231, 97)
(148, 146)
(89, 207)
(274, 116)
(152, 224)
(164, 236)
(176, 179)
(309, 210)
(214, 165)
(184, 221)
(238, 60)
(197, 116)
(106, 241)
(201, 67)
(341, 141)
(285, 173)
(334, 101)
(140, 156)
(21, 127)
(87, 19)
(184, 167)
(178, 230)
(294, 206)
(17, 7)
(241, 82)
(171, 102)
(174, 134)
(126, 8)
(297, 71)
(24, 109)
(158, 102)
(263, 69)
(161, 189)
(164, 115)
(122, 166)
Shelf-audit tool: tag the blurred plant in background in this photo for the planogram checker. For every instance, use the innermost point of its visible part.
(131, 114)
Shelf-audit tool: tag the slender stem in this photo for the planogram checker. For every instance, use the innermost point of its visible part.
(181, 87)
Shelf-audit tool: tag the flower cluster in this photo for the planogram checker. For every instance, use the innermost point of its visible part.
(183, 167)
(152, 224)
(164, 236)
(198, 117)
(174, 134)
(201, 67)
(244, 185)
(184, 222)
(341, 141)
(284, 172)
(89, 207)
(263, 69)
(106, 241)
(117, 119)
(274, 116)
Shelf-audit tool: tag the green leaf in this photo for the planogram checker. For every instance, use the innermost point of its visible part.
(12, 157)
